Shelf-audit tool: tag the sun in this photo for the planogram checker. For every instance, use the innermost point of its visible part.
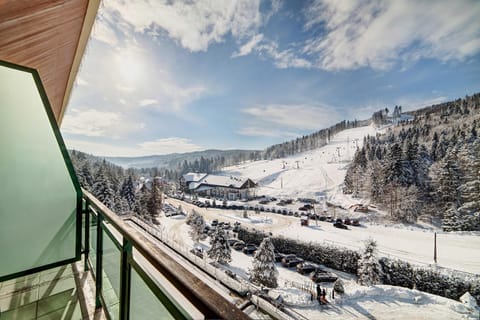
(130, 66)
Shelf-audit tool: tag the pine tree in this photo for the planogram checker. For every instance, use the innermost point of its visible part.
(197, 225)
(102, 189)
(264, 271)
(369, 269)
(128, 192)
(220, 251)
(154, 200)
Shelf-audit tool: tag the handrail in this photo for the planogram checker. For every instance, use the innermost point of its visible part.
(203, 297)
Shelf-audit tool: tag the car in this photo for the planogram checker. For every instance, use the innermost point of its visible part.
(321, 275)
(284, 212)
(338, 220)
(249, 248)
(155, 221)
(231, 242)
(296, 214)
(231, 274)
(239, 245)
(340, 225)
(347, 221)
(355, 222)
(236, 228)
(226, 226)
(197, 251)
(292, 263)
(302, 208)
(291, 260)
(268, 210)
(263, 201)
(214, 222)
(279, 257)
(304, 268)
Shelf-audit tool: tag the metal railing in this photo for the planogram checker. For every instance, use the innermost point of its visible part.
(139, 253)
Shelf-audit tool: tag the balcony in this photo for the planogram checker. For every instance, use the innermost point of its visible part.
(64, 254)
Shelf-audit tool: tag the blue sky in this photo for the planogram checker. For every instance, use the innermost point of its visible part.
(177, 76)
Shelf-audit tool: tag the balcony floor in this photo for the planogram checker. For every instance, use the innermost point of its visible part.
(65, 292)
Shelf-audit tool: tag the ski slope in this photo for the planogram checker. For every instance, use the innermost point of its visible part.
(312, 174)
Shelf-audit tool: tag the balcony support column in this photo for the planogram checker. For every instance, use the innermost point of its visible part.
(87, 235)
(125, 279)
(99, 263)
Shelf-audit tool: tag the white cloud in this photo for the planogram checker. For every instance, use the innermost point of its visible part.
(169, 145)
(305, 117)
(288, 58)
(94, 123)
(147, 102)
(249, 46)
(194, 24)
(103, 31)
(156, 147)
(378, 34)
(81, 81)
(266, 132)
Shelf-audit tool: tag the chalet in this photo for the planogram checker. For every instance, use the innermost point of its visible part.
(225, 187)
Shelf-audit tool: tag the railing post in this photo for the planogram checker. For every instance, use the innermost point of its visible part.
(125, 279)
(87, 235)
(99, 264)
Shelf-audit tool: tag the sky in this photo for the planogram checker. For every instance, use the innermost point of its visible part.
(166, 76)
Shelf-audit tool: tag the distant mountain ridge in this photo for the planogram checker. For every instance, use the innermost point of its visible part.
(172, 160)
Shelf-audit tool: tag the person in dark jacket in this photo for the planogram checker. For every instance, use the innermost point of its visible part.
(319, 292)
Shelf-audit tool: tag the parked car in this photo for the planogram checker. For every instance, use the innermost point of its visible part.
(347, 221)
(302, 208)
(231, 242)
(263, 201)
(279, 257)
(249, 248)
(214, 222)
(355, 222)
(361, 208)
(198, 252)
(306, 268)
(321, 275)
(291, 260)
(239, 245)
(340, 225)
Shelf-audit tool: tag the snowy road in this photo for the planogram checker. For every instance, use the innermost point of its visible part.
(455, 251)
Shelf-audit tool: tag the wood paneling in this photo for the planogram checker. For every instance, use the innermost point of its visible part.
(43, 34)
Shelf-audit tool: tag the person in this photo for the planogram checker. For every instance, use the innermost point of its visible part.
(319, 292)
(324, 293)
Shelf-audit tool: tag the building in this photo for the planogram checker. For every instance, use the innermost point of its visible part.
(63, 254)
(223, 187)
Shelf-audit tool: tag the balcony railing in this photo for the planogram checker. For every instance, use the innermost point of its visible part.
(136, 278)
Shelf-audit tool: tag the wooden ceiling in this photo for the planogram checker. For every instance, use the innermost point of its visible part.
(49, 36)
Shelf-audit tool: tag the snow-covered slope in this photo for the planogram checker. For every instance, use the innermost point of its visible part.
(311, 174)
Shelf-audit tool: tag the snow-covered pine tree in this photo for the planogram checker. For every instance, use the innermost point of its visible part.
(369, 269)
(264, 272)
(102, 189)
(155, 200)
(220, 251)
(85, 176)
(128, 192)
(197, 226)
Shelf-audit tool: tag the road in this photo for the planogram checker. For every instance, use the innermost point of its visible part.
(456, 251)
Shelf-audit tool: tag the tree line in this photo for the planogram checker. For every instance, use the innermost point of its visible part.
(429, 166)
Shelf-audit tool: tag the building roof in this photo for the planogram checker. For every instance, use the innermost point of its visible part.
(193, 176)
(220, 181)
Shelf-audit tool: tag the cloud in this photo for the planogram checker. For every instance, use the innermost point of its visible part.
(249, 46)
(169, 145)
(147, 102)
(94, 123)
(103, 31)
(81, 81)
(304, 117)
(266, 132)
(288, 58)
(193, 24)
(379, 34)
(156, 147)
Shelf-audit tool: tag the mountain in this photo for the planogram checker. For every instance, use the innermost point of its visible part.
(172, 161)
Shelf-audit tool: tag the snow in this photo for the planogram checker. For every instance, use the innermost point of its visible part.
(359, 302)
(320, 176)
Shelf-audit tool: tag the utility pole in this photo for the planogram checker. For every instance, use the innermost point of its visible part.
(435, 247)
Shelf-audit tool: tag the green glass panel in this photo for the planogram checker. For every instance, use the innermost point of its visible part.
(143, 302)
(93, 242)
(111, 276)
(38, 195)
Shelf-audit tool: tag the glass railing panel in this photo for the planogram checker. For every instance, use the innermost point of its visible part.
(93, 242)
(38, 198)
(111, 276)
(144, 304)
